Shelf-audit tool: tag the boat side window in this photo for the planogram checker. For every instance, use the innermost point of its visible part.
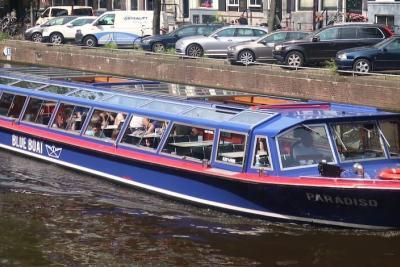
(39, 111)
(304, 145)
(105, 124)
(11, 105)
(144, 132)
(231, 147)
(190, 141)
(261, 157)
(70, 117)
(358, 141)
(391, 132)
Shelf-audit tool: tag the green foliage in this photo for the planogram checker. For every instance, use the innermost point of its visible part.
(331, 65)
(111, 45)
(170, 51)
(4, 36)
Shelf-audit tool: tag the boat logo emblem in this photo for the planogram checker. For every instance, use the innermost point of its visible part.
(53, 151)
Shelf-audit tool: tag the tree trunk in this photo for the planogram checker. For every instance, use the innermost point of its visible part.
(156, 17)
(271, 15)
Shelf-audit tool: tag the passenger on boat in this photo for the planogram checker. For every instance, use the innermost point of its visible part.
(261, 155)
(148, 125)
(196, 135)
(95, 127)
(304, 151)
(60, 120)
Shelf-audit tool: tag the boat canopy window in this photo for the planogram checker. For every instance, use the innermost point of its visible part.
(28, 85)
(39, 111)
(70, 117)
(11, 105)
(144, 132)
(210, 114)
(168, 107)
(61, 90)
(261, 156)
(358, 140)
(92, 95)
(304, 145)
(391, 132)
(231, 147)
(126, 101)
(192, 142)
(4, 80)
(251, 118)
(105, 124)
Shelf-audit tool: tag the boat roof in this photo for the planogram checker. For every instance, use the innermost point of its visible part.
(270, 119)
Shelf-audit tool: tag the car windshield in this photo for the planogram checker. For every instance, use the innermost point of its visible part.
(383, 43)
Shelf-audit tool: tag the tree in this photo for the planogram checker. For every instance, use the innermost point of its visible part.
(271, 15)
(156, 17)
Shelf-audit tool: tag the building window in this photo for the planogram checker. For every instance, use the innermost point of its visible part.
(329, 4)
(233, 2)
(254, 3)
(206, 3)
(306, 4)
(134, 4)
(387, 20)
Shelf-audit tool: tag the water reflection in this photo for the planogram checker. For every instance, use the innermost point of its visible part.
(54, 216)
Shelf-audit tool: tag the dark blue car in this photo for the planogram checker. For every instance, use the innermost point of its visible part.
(159, 43)
(381, 56)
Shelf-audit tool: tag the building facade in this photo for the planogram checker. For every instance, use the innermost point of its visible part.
(385, 12)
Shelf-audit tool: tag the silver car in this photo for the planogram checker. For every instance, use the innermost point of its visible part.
(216, 44)
(261, 49)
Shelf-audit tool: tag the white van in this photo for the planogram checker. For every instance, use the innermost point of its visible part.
(120, 27)
(58, 11)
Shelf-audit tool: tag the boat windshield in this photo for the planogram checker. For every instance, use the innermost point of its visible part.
(358, 141)
(391, 134)
(304, 145)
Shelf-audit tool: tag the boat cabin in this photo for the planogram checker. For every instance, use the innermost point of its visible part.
(289, 138)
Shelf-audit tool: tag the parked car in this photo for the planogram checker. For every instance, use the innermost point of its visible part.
(120, 27)
(261, 49)
(216, 43)
(58, 11)
(59, 34)
(323, 44)
(159, 43)
(381, 56)
(35, 33)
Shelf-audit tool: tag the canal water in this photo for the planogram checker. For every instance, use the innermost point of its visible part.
(52, 216)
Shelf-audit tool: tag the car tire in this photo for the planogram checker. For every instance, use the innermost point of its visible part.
(362, 65)
(158, 47)
(37, 37)
(194, 50)
(246, 57)
(56, 38)
(294, 59)
(90, 41)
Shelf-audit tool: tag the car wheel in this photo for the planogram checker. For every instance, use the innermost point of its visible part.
(90, 41)
(246, 57)
(294, 59)
(37, 37)
(362, 65)
(158, 47)
(194, 50)
(56, 38)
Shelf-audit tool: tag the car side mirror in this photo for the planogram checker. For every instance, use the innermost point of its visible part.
(384, 50)
(42, 16)
(315, 39)
(216, 36)
(70, 25)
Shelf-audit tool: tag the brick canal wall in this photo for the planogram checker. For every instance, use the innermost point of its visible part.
(377, 91)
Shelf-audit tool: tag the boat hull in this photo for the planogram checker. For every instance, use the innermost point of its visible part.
(331, 205)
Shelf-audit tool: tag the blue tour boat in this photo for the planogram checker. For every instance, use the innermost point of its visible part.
(286, 160)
